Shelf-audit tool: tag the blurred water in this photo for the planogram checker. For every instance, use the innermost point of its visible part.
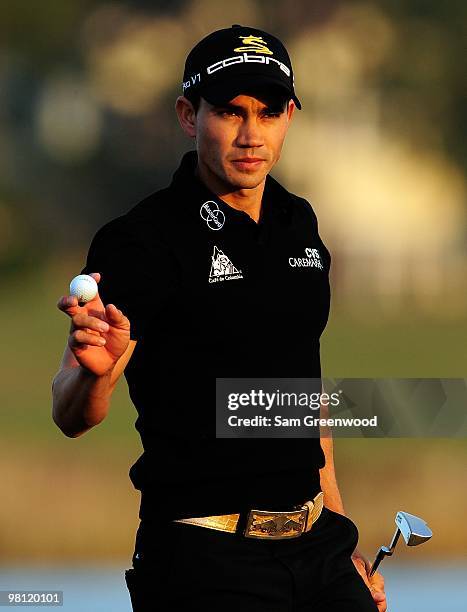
(85, 588)
(425, 588)
(409, 588)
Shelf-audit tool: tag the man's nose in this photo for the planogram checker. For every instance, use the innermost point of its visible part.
(249, 133)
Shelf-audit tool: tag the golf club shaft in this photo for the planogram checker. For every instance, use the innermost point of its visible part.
(379, 557)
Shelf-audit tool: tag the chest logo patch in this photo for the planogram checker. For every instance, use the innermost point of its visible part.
(212, 214)
(222, 269)
(312, 259)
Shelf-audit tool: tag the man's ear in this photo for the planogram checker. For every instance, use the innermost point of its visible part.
(290, 110)
(186, 115)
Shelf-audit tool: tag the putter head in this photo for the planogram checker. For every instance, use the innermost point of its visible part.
(414, 529)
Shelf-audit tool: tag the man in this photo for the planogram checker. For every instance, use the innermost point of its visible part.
(196, 283)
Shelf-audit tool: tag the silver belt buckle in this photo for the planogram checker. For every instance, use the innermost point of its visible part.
(275, 525)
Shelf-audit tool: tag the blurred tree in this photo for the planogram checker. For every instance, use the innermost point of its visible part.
(421, 84)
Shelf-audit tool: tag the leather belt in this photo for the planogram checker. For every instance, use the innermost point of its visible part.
(264, 524)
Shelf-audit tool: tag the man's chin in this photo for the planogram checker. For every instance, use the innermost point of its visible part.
(247, 180)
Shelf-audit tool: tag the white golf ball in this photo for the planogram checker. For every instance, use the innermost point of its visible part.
(84, 287)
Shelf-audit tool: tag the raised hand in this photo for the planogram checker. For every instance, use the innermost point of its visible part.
(99, 334)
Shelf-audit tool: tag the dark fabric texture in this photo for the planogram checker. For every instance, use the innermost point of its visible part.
(186, 567)
(156, 265)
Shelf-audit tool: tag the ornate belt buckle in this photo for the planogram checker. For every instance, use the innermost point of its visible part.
(275, 525)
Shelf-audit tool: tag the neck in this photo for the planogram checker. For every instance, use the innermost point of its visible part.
(247, 200)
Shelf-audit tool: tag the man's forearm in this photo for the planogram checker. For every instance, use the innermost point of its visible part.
(80, 399)
(332, 496)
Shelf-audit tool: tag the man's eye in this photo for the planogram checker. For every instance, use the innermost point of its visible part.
(272, 114)
(228, 113)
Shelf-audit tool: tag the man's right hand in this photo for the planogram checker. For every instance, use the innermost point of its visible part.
(99, 335)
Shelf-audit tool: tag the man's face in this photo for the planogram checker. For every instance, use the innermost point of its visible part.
(246, 127)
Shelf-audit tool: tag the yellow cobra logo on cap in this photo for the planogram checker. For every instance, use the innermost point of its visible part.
(253, 43)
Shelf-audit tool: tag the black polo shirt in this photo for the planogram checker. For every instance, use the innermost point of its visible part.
(211, 293)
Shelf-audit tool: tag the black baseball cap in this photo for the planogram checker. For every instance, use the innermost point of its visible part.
(237, 60)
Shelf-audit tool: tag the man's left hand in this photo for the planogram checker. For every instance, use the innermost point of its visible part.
(375, 583)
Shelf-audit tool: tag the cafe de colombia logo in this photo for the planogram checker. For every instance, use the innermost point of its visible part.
(222, 269)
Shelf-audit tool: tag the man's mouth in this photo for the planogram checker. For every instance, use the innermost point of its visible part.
(248, 163)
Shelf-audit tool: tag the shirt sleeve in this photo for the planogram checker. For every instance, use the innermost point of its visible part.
(120, 256)
(314, 219)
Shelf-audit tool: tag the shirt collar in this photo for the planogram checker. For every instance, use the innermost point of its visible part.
(276, 202)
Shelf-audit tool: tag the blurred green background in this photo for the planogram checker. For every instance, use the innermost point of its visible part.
(88, 128)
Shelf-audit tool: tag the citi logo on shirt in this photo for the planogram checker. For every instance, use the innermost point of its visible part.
(312, 260)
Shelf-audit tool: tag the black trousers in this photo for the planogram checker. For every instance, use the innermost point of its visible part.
(185, 567)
